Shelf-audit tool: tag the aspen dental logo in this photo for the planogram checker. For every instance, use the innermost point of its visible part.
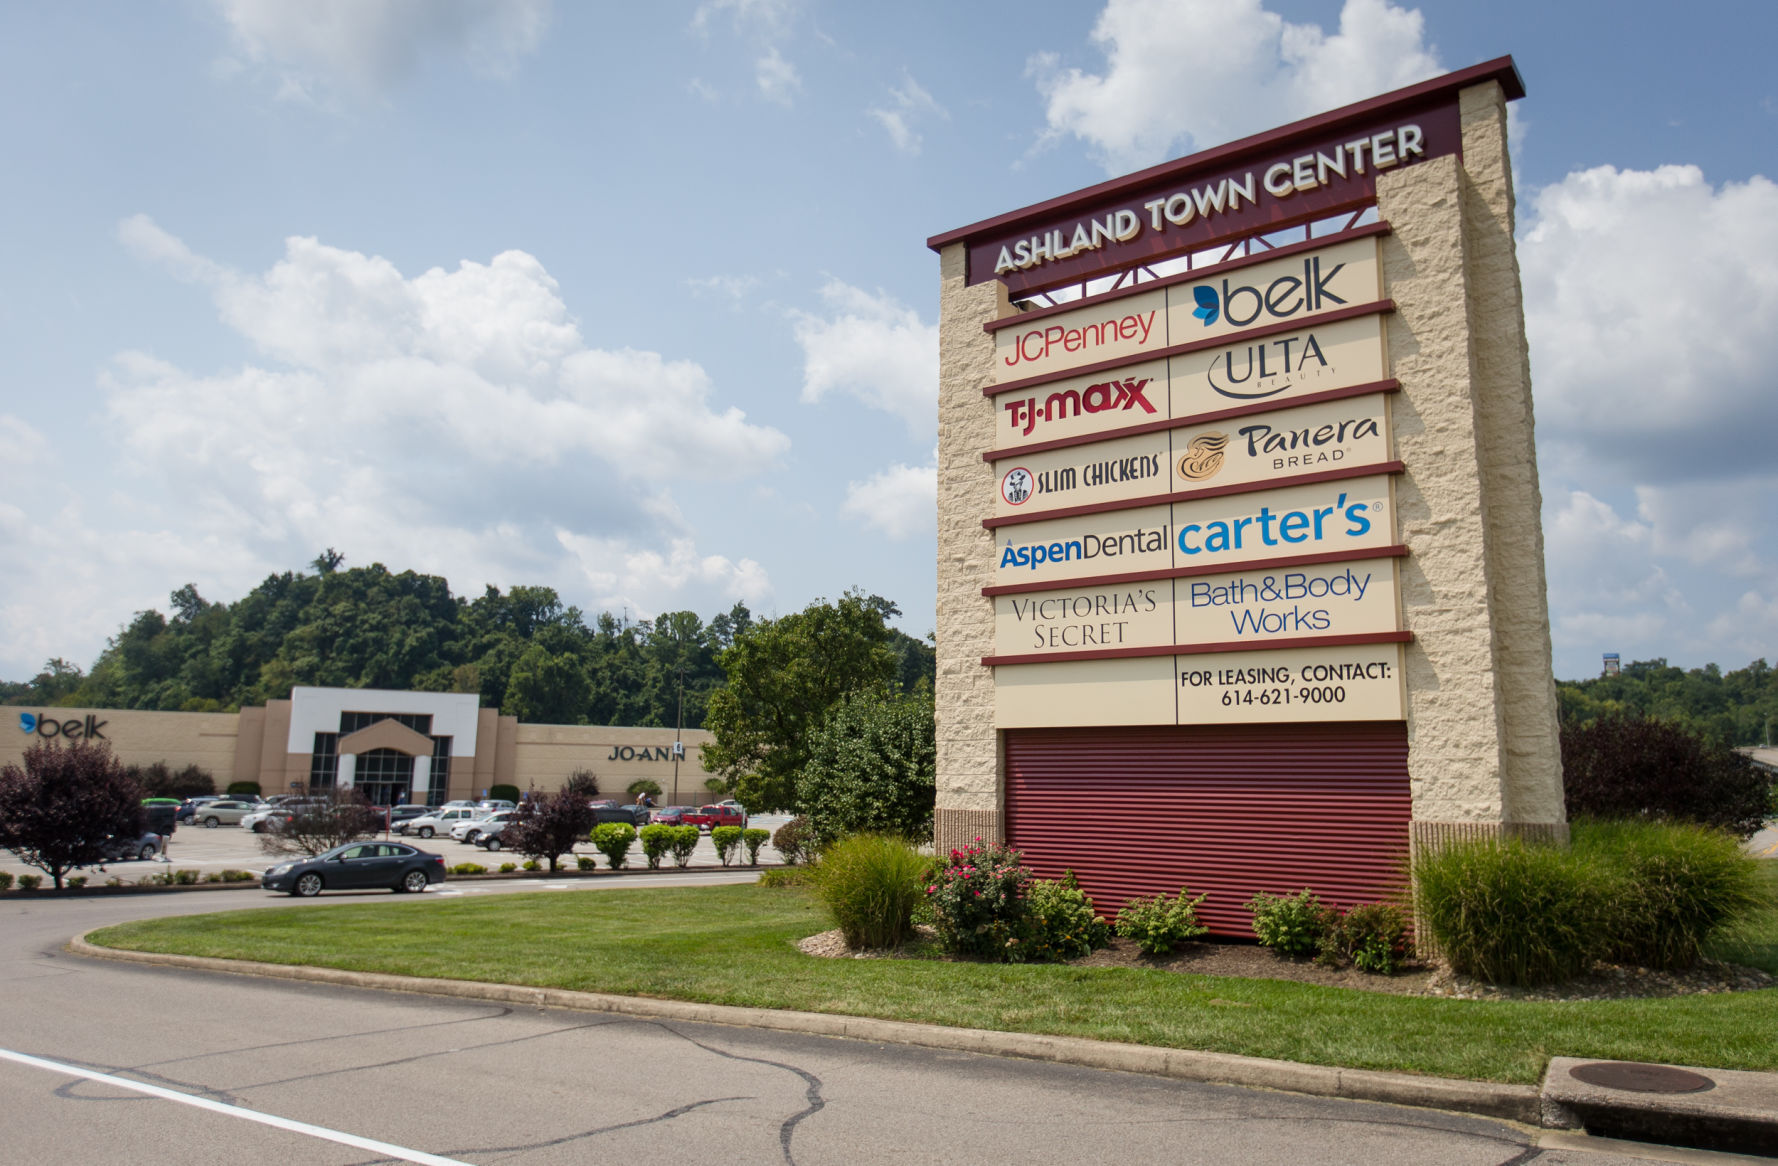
(1288, 295)
(1084, 549)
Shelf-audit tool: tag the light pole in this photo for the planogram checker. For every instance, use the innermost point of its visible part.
(679, 728)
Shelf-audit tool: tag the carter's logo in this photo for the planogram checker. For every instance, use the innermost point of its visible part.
(1209, 307)
(27, 723)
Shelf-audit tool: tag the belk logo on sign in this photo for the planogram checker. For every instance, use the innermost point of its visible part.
(74, 728)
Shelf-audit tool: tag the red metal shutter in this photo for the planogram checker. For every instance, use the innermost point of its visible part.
(1229, 810)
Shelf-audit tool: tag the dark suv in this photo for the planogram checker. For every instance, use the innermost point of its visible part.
(608, 810)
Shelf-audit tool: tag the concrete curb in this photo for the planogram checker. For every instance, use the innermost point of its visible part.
(1518, 1103)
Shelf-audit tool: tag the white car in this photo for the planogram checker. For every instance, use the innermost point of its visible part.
(260, 820)
(441, 821)
(470, 830)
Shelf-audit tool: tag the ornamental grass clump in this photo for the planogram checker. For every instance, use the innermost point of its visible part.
(1512, 912)
(979, 902)
(1158, 924)
(1672, 887)
(1061, 922)
(872, 883)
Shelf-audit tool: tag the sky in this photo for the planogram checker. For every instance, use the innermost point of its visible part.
(634, 301)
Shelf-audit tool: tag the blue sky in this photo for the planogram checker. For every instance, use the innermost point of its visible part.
(634, 300)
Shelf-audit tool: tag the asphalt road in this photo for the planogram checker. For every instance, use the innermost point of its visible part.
(432, 1080)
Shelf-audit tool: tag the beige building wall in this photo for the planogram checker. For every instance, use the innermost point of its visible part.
(544, 756)
(141, 737)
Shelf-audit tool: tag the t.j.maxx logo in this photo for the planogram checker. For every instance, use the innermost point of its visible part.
(74, 728)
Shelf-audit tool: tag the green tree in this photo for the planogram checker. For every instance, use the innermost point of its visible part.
(548, 688)
(60, 806)
(872, 768)
(784, 677)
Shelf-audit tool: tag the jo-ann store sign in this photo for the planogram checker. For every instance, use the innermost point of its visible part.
(1246, 440)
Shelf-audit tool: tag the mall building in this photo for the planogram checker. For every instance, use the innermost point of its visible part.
(420, 747)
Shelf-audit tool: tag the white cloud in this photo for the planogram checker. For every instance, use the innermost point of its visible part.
(364, 47)
(1181, 75)
(21, 446)
(874, 348)
(777, 78)
(908, 103)
(647, 580)
(1649, 301)
(901, 501)
(736, 288)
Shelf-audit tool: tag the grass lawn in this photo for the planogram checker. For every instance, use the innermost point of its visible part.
(736, 945)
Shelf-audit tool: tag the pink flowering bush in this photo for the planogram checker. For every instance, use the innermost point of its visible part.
(979, 902)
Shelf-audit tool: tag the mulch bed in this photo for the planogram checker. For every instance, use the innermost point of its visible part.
(1250, 961)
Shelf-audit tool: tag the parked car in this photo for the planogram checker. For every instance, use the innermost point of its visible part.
(124, 848)
(672, 815)
(227, 812)
(610, 810)
(358, 866)
(707, 818)
(487, 835)
(461, 803)
(493, 804)
(400, 814)
(267, 818)
(438, 821)
(470, 829)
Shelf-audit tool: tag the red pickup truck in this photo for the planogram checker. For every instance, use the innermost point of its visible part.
(707, 818)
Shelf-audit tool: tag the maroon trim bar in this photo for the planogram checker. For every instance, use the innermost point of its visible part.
(1398, 551)
(1431, 104)
(1202, 649)
(1375, 308)
(1341, 474)
(1017, 451)
(1208, 271)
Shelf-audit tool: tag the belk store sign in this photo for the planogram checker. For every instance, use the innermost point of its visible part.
(75, 729)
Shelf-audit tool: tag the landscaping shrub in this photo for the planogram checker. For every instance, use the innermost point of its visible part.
(614, 839)
(979, 901)
(1672, 886)
(872, 883)
(683, 842)
(504, 793)
(1373, 937)
(5, 880)
(1061, 923)
(186, 878)
(795, 842)
(242, 787)
(753, 838)
(657, 840)
(531, 864)
(1637, 767)
(645, 786)
(1160, 923)
(508, 867)
(727, 840)
(1511, 912)
(159, 780)
(786, 876)
(469, 868)
(871, 768)
(238, 876)
(75, 882)
(582, 783)
(585, 862)
(1293, 925)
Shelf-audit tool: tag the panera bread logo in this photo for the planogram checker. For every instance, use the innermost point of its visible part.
(1203, 457)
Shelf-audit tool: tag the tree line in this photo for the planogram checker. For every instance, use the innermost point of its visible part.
(1733, 708)
(523, 651)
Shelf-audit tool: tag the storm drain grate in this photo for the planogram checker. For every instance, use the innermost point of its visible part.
(1639, 1078)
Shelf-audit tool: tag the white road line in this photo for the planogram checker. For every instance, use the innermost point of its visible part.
(301, 1127)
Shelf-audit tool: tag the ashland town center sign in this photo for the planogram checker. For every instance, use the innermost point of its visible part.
(1239, 545)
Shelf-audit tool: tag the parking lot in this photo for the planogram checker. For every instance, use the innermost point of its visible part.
(232, 848)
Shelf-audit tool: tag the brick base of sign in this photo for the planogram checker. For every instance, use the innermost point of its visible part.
(954, 829)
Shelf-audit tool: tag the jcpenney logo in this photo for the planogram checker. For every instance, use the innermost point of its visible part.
(74, 729)
(1112, 396)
